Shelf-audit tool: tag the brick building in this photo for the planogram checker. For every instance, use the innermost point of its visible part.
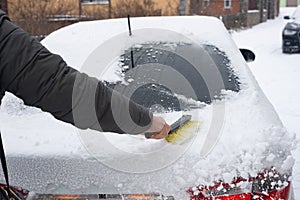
(43, 17)
(230, 11)
(237, 13)
(291, 2)
(261, 10)
(214, 7)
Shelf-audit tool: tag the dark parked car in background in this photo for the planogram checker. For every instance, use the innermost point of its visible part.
(291, 33)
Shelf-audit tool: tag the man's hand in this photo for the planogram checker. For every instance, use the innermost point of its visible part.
(159, 127)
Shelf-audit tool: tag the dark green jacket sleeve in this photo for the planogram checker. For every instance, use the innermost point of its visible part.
(43, 79)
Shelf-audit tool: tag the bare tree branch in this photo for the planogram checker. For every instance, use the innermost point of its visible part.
(37, 17)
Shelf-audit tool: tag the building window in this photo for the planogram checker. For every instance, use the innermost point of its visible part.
(94, 1)
(227, 3)
(252, 5)
(182, 7)
(205, 3)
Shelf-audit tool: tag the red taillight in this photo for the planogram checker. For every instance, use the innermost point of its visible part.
(223, 191)
(277, 194)
(268, 185)
(229, 197)
(21, 191)
(271, 185)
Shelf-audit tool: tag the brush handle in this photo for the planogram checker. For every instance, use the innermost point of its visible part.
(180, 122)
(176, 125)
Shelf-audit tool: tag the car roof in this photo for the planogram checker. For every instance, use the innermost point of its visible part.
(185, 29)
(199, 28)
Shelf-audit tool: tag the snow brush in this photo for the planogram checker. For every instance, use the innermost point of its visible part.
(181, 130)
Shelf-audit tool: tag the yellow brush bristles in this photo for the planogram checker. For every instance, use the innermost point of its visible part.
(184, 133)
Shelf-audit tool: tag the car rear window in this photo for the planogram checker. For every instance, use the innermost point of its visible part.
(175, 76)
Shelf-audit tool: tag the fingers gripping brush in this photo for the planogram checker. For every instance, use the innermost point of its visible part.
(181, 130)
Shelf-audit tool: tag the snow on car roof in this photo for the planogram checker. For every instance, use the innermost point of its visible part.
(84, 37)
(248, 135)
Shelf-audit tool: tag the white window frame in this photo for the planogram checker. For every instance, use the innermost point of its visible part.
(94, 1)
(227, 4)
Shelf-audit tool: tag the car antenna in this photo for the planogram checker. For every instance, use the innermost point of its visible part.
(129, 26)
(131, 58)
(131, 50)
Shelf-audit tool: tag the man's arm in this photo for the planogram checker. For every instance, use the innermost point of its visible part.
(43, 79)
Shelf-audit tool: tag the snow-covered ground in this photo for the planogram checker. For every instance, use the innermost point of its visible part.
(278, 75)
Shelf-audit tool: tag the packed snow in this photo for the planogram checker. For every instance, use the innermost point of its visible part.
(277, 74)
(252, 137)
